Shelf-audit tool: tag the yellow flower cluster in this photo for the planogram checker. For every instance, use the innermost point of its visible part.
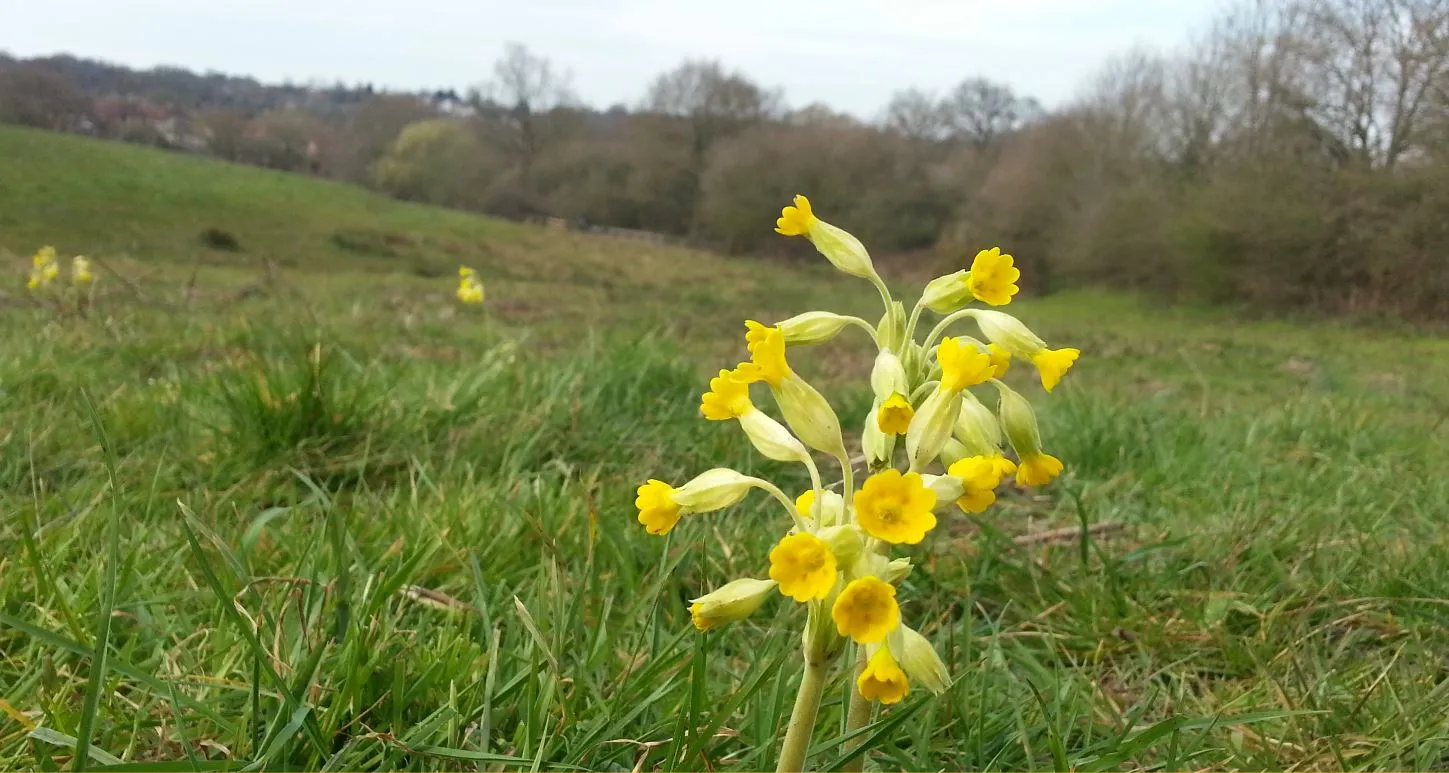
(45, 269)
(929, 443)
(470, 287)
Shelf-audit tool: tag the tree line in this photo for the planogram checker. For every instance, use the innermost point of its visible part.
(1292, 155)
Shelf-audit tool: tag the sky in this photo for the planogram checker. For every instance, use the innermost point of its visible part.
(848, 54)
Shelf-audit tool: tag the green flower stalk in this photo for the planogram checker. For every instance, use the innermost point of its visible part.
(932, 447)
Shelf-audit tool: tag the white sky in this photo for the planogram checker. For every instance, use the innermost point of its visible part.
(849, 54)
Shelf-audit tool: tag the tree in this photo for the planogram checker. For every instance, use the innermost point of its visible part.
(33, 97)
(437, 161)
(530, 92)
(981, 112)
(703, 104)
(918, 116)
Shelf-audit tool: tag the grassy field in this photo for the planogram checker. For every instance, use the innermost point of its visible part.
(289, 506)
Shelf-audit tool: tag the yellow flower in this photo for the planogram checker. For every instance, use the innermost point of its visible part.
(829, 512)
(894, 416)
(657, 508)
(796, 220)
(979, 477)
(767, 355)
(866, 610)
(1000, 360)
(1038, 469)
(882, 679)
(80, 270)
(728, 397)
(1019, 420)
(733, 601)
(993, 277)
(470, 287)
(1052, 364)
(895, 508)
(1004, 466)
(43, 257)
(804, 567)
(838, 246)
(963, 364)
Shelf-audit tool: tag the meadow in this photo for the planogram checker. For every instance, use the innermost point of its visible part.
(286, 504)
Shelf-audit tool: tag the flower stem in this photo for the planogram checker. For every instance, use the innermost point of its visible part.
(802, 718)
(858, 718)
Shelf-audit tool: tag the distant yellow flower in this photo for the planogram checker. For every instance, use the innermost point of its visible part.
(80, 271)
(963, 364)
(882, 679)
(767, 355)
(896, 508)
(1000, 360)
(980, 477)
(44, 268)
(657, 509)
(894, 416)
(866, 610)
(804, 567)
(728, 397)
(470, 287)
(1052, 364)
(993, 277)
(796, 220)
(1038, 469)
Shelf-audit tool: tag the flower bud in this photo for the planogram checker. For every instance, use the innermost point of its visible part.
(1008, 332)
(810, 415)
(842, 249)
(733, 601)
(946, 294)
(713, 490)
(948, 489)
(888, 376)
(931, 427)
(891, 332)
(977, 427)
(844, 542)
(812, 327)
(879, 447)
(771, 438)
(828, 511)
(919, 660)
(1019, 421)
(953, 452)
(896, 570)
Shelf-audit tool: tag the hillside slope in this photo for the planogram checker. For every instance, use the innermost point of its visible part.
(122, 202)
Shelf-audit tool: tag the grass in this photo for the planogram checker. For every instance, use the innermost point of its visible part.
(340, 523)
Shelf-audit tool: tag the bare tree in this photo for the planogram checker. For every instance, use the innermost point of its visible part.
(981, 112)
(917, 115)
(1371, 66)
(529, 90)
(708, 104)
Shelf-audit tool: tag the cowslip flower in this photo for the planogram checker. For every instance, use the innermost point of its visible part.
(866, 611)
(80, 271)
(883, 679)
(835, 561)
(1010, 334)
(979, 477)
(44, 268)
(993, 277)
(470, 287)
(895, 508)
(840, 248)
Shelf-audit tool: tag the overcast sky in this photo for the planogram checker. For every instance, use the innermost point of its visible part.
(849, 54)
